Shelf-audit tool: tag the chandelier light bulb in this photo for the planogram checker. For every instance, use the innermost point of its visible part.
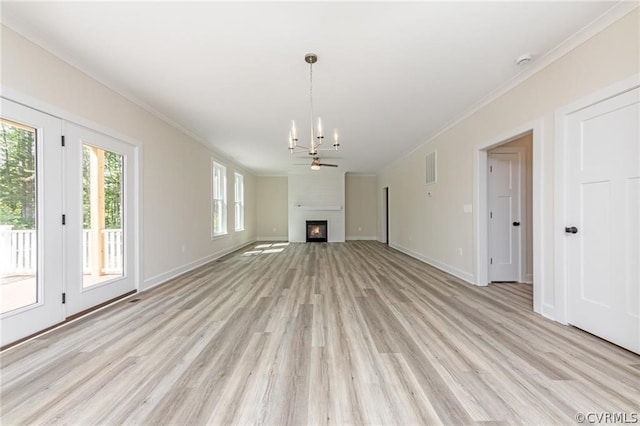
(294, 132)
(313, 146)
(291, 143)
(335, 138)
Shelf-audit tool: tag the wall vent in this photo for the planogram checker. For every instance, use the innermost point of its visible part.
(431, 168)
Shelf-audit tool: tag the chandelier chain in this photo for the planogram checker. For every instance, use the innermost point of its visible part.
(311, 101)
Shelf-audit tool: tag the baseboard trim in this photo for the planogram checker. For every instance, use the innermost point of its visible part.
(360, 238)
(465, 276)
(272, 238)
(175, 272)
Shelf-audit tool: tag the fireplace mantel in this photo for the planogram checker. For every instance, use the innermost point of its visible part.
(318, 208)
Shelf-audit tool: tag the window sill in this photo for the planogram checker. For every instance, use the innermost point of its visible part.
(219, 236)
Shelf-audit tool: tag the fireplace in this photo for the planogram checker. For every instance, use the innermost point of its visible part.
(317, 231)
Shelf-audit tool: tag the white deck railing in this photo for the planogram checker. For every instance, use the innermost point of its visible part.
(18, 251)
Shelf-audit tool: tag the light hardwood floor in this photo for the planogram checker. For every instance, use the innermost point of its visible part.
(353, 333)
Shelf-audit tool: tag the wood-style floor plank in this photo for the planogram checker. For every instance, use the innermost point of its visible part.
(319, 334)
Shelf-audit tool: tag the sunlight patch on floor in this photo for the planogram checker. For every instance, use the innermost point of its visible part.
(266, 249)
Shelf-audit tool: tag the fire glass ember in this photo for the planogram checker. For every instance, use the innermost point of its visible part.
(316, 231)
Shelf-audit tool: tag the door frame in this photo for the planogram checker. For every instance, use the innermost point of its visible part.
(560, 185)
(480, 197)
(522, 206)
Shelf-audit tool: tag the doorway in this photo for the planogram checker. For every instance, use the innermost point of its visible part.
(67, 220)
(531, 224)
(385, 214)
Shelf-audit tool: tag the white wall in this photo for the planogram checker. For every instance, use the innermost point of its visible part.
(176, 169)
(272, 214)
(436, 228)
(361, 212)
(318, 195)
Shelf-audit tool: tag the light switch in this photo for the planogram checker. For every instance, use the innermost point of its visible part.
(467, 208)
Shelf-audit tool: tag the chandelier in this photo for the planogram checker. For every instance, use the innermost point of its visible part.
(317, 135)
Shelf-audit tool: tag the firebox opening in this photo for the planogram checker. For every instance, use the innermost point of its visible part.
(316, 231)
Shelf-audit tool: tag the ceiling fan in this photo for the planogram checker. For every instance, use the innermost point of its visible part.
(316, 164)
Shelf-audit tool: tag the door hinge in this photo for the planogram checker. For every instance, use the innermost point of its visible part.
(490, 167)
(490, 215)
(62, 137)
(491, 261)
(64, 298)
(64, 219)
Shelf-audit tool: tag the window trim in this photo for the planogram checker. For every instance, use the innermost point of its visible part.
(238, 201)
(223, 199)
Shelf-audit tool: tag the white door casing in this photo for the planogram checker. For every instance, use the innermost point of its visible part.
(48, 310)
(505, 219)
(600, 229)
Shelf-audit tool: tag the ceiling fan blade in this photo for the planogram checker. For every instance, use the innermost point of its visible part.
(327, 165)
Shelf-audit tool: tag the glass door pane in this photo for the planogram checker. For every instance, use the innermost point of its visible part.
(18, 213)
(102, 239)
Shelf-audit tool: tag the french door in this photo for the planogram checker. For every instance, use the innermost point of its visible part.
(31, 231)
(67, 220)
(100, 261)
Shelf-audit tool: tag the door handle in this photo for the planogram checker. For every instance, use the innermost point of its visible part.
(516, 223)
(571, 230)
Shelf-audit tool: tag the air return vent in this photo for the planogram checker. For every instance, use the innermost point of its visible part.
(431, 168)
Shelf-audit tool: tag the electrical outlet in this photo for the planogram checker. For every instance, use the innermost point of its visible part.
(274, 230)
(460, 250)
(359, 228)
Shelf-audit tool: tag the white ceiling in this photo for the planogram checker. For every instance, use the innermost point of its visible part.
(389, 74)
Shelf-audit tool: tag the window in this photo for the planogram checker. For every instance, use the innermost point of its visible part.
(219, 217)
(239, 202)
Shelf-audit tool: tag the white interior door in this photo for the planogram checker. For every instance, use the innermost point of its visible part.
(603, 221)
(505, 217)
(31, 283)
(101, 226)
